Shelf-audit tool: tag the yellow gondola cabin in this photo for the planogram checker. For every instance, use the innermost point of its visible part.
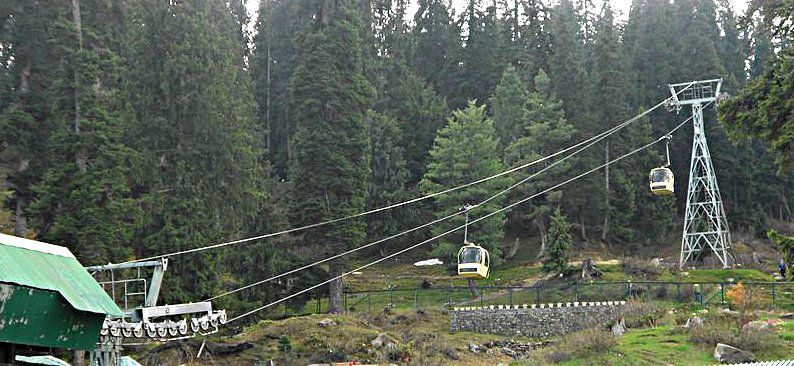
(662, 181)
(473, 261)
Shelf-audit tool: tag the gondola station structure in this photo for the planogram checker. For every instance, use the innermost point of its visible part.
(47, 300)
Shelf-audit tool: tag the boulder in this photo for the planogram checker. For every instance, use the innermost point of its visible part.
(694, 322)
(509, 352)
(327, 322)
(755, 325)
(474, 348)
(729, 311)
(379, 341)
(450, 353)
(656, 262)
(618, 329)
(724, 353)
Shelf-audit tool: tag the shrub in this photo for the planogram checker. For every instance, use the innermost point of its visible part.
(643, 314)
(744, 300)
(712, 333)
(640, 268)
(582, 344)
(720, 330)
(755, 340)
(284, 344)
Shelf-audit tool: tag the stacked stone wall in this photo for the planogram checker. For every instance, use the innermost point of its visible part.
(534, 320)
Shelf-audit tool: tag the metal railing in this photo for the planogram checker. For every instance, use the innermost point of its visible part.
(767, 295)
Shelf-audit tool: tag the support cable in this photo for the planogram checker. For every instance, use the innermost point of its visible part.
(431, 223)
(418, 199)
(459, 227)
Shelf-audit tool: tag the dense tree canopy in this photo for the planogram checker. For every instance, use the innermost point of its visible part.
(133, 128)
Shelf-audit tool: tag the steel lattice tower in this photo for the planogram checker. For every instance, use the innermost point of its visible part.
(705, 223)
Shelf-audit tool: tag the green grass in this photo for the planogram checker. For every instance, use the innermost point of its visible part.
(719, 275)
(650, 346)
(612, 273)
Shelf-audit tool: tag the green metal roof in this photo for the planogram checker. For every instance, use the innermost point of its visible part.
(128, 361)
(41, 360)
(50, 267)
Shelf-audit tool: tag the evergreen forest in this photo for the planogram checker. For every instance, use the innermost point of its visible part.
(135, 128)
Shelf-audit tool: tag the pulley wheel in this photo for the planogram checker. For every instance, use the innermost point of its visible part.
(138, 332)
(205, 325)
(115, 331)
(172, 331)
(151, 332)
(194, 325)
(126, 332)
(162, 332)
(182, 328)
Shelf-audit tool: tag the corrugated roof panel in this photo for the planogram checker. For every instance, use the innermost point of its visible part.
(41, 360)
(57, 272)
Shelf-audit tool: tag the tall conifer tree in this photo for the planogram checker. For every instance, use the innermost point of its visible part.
(544, 132)
(463, 151)
(193, 121)
(329, 170)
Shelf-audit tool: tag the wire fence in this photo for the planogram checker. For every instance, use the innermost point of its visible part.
(766, 295)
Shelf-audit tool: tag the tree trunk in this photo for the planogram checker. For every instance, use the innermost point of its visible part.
(24, 79)
(79, 358)
(605, 228)
(20, 216)
(540, 222)
(473, 288)
(267, 104)
(513, 249)
(785, 204)
(335, 288)
(80, 158)
(20, 219)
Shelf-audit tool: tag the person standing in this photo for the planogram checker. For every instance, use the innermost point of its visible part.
(782, 267)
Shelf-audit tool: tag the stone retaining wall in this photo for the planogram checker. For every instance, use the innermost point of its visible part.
(535, 320)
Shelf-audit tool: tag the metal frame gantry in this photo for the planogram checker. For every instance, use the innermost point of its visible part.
(146, 319)
(705, 223)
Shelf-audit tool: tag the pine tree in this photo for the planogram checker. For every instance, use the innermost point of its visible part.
(419, 112)
(535, 38)
(480, 64)
(85, 200)
(760, 50)
(609, 107)
(329, 170)
(730, 47)
(509, 107)
(465, 150)
(565, 60)
(638, 217)
(25, 115)
(546, 129)
(276, 46)
(435, 45)
(388, 179)
(560, 242)
(192, 118)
